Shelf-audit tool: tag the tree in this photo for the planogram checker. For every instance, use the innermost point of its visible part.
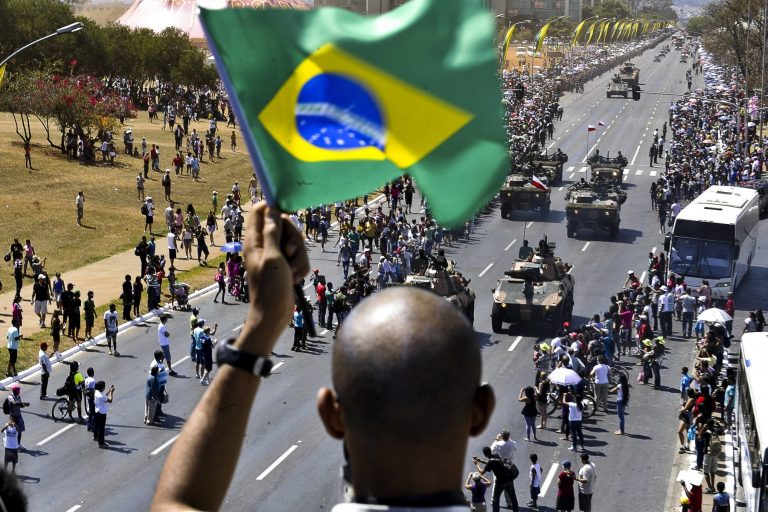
(612, 9)
(697, 25)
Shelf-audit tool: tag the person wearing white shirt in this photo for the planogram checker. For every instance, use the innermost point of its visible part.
(46, 368)
(101, 402)
(505, 448)
(171, 246)
(164, 339)
(600, 374)
(586, 479)
(534, 475)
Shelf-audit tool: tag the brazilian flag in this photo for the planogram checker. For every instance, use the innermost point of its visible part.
(334, 104)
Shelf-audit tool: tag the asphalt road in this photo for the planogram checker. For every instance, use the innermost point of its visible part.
(289, 463)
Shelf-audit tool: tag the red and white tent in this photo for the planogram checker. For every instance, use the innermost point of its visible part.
(161, 14)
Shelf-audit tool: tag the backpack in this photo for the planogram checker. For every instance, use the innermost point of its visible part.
(510, 471)
(6, 406)
(69, 385)
(144, 209)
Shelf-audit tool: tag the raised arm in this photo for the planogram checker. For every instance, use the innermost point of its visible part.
(213, 435)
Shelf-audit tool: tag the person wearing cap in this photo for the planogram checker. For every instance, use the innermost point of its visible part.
(46, 368)
(503, 482)
(586, 480)
(632, 281)
(40, 298)
(11, 445)
(666, 303)
(565, 500)
(15, 404)
(477, 484)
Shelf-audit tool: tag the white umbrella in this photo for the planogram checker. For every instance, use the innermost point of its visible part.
(713, 315)
(564, 377)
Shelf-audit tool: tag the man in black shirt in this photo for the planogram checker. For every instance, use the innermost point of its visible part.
(127, 297)
(41, 297)
(504, 478)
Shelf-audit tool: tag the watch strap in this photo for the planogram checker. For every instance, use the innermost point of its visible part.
(255, 365)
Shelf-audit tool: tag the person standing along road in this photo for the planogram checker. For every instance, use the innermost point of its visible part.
(89, 386)
(162, 382)
(163, 338)
(730, 308)
(171, 246)
(166, 182)
(504, 482)
(151, 396)
(15, 404)
(138, 288)
(321, 302)
(221, 279)
(141, 251)
(688, 303)
(89, 308)
(534, 475)
(565, 499)
(207, 343)
(298, 330)
(110, 328)
(46, 368)
(575, 415)
(586, 481)
(477, 484)
(101, 402)
(12, 338)
(40, 298)
(600, 375)
(127, 298)
(56, 334)
(622, 399)
(80, 206)
(529, 412)
(11, 444)
(148, 210)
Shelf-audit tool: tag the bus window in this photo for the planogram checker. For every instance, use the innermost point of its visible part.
(701, 258)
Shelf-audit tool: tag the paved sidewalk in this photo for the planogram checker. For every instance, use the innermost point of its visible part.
(104, 277)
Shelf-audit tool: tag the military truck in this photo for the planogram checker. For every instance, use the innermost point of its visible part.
(518, 193)
(618, 87)
(595, 205)
(551, 166)
(608, 170)
(630, 74)
(449, 284)
(537, 293)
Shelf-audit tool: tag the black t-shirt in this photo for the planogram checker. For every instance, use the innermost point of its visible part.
(16, 251)
(40, 291)
(496, 467)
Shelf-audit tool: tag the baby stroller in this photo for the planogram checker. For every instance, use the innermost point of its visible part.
(180, 296)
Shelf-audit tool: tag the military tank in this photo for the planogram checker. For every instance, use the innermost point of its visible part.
(534, 294)
(518, 193)
(630, 74)
(551, 166)
(618, 87)
(449, 284)
(595, 205)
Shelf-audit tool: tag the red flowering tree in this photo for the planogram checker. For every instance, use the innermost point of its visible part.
(78, 103)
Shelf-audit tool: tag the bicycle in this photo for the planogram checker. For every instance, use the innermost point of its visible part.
(588, 402)
(62, 407)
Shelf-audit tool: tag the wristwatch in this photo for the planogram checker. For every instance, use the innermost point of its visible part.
(256, 365)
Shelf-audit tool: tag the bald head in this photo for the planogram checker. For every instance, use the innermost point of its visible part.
(406, 367)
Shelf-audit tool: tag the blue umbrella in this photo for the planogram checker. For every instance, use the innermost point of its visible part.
(232, 247)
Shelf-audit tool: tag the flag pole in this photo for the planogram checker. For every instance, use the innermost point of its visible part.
(259, 170)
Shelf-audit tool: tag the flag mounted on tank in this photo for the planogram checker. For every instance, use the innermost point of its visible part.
(536, 182)
(334, 104)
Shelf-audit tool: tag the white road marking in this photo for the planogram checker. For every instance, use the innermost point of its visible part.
(653, 173)
(182, 359)
(552, 145)
(584, 169)
(514, 344)
(486, 269)
(570, 269)
(279, 460)
(561, 188)
(510, 244)
(626, 172)
(278, 365)
(72, 509)
(636, 152)
(571, 176)
(308, 286)
(639, 172)
(529, 225)
(548, 480)
(653, 250)
(585, 246)
(238, 327)
(323, 332)
(642, 276)
(56, 434)
(570, 169)
(165, 445)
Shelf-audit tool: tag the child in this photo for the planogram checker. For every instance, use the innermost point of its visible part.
(534, 474)
(11, 443)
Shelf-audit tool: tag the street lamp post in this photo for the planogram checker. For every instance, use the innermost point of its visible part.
(68, 29)
(503, 47)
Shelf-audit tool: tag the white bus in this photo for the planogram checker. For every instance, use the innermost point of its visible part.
(714, 239)
(751, 416)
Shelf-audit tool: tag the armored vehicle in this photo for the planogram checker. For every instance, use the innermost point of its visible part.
(595, 205)
(618, 87)
(552, 166)
(608, 170)
(518, 193)
(629, 74)
(536, 293)
(449, 284)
